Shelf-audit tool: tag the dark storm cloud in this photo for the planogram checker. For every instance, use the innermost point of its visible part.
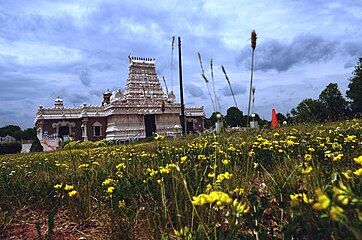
(281, 56)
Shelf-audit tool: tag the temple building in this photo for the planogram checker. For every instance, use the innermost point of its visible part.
(142, 110)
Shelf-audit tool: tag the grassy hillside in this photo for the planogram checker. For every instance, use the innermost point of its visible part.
(256, 184)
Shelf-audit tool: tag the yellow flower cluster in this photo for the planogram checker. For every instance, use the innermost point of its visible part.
(214, 197)
(358, 172)
(298, 198)
(69, 188)
(221, 177)
(343, 194)
(241, 208)
(323, 200)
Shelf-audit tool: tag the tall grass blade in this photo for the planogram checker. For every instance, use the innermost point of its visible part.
(228, 81)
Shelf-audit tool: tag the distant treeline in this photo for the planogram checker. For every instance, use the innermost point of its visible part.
(17, 133)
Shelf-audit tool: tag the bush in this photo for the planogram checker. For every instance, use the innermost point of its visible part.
(36, 146)
(10, 147)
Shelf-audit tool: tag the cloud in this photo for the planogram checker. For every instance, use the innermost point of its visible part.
(85, 75)
(194, 91)
(281, 56)
(238, 89)
(354, 50)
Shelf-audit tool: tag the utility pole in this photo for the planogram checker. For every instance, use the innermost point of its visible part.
(181, 89)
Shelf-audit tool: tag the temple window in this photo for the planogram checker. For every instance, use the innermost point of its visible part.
(97, 129)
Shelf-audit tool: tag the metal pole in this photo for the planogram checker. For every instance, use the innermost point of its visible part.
(181, 89)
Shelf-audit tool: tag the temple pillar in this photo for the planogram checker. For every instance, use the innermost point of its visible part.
(40, 130)
(84, 129)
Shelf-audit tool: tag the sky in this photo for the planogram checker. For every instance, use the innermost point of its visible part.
(77, 49)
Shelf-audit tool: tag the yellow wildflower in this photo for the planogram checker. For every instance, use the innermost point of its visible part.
(306, 199)
(308, 157)
(121, 204)
(347, 174)
(307, 170)
(251, 153)
(58, 186)
(121, 166)
(311, 149)
(295, 199)
(238, 191)
(72, 193)
(350, 138)
(211, 175)
(225, 161)
(183, 159)
(336, 212)
(358, 160)
(68, 187)
(84, 165)
(110, 189)
(358, 172)
(214, 197)
(338, 157)
(108, 181)
(323, 200)
(241, 207)
(160, 137)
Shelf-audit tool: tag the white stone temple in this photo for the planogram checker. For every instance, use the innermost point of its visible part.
(142, 110)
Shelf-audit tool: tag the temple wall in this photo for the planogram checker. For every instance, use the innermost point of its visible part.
(90, 128)
(75, 133)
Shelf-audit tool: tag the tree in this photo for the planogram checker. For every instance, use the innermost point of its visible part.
(281, 118)
(309, 110)
(210, 122)
(36, 146)
(333, 101)
(12, 130)
(233, 117)
(29, 134)
(355, 89)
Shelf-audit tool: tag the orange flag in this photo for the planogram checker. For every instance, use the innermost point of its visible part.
(274, 119)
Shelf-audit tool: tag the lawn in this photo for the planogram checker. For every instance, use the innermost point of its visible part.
(299, 182)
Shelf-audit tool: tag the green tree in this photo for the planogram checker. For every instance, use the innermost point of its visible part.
(36, 146)
(29, 134)
(210, 122)
(12, 130)
(281, 118)
(233, 117)
(334, 103)
(354, 93)
(309, 110)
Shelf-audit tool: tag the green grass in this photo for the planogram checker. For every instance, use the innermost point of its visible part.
(257, 184)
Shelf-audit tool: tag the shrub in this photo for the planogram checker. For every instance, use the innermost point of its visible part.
(36, 146)
(10, 147)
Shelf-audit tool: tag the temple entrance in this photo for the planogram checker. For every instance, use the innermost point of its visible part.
(150, 124)
(63, 131)
(190, 127)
